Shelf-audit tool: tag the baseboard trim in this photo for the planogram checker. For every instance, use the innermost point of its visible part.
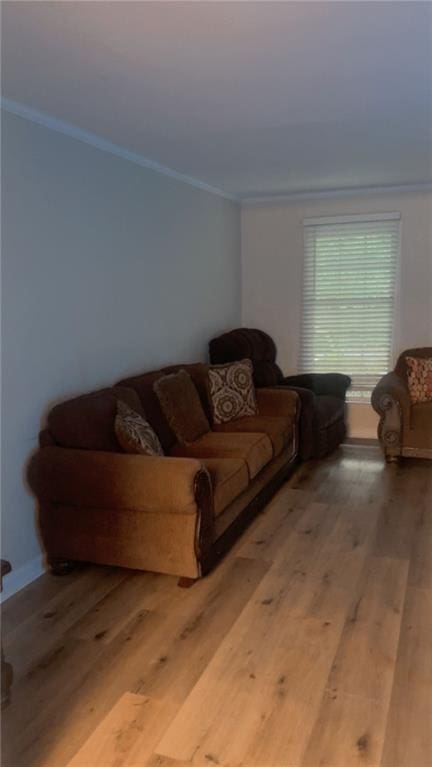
(361, 442)
(21, 577)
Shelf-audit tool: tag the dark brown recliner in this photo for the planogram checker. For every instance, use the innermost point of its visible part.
(322, 395)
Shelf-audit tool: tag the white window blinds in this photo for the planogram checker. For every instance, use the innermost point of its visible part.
(348, 297)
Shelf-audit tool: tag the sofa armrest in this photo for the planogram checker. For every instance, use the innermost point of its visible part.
(332, 384)
(97, 479)
(278, 402)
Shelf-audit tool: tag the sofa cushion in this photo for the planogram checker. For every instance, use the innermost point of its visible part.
(255, 449)
(328, 410)
(229, 477)
(279, 430)
(87, 422)
(181, 405)
(419, 433)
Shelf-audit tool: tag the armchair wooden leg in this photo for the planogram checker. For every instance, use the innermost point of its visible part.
(392, 459)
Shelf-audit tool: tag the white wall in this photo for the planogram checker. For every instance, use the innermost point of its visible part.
(108, 269)
(272, 264)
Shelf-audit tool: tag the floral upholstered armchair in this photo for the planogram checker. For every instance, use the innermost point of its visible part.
(403, 399)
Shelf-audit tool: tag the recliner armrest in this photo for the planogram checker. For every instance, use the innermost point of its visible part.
(97, 479)
(332, 384)
(306, 414)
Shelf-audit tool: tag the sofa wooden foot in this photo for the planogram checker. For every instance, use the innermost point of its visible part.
(61, 566)
(186, 583)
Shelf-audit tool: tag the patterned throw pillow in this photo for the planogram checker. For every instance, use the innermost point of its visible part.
(419, 378)
(134, 433)
(232, 392)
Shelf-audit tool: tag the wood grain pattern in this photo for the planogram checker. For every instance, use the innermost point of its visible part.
(349, 730)
(285, 682)
(408, 738)
(308, 646)
(365, 660)
(127, 736)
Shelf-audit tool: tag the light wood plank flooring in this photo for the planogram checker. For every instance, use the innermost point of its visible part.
(309, 646)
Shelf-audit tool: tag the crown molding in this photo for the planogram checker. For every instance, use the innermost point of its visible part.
(48, 121)
(92, 139)
(334, 194)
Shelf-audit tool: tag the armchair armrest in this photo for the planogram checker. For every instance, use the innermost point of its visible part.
(333, 384)
(97, 479)
(391, 385)
(391, 400)
(278, 402)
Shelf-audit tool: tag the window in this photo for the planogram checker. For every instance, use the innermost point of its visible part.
(349, 297)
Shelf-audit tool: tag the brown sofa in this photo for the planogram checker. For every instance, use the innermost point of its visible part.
(174, 514)
(322, 395)
(405, 430)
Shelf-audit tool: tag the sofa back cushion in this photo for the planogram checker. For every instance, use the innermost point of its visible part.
(87, 422)
(143, 385)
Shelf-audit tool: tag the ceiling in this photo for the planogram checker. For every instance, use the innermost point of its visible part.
(254, 98)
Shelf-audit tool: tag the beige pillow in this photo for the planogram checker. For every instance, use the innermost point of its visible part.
(232, 391)
(419, 378)
(181, 405)
(134, 433)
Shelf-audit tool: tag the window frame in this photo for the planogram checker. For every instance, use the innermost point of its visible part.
(316, 221)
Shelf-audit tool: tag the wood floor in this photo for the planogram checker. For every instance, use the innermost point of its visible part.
(309, 646)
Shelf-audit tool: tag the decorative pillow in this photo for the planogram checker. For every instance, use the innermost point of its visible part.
(181, 405)
(134, 433)
(232, 392)
(419, 378)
